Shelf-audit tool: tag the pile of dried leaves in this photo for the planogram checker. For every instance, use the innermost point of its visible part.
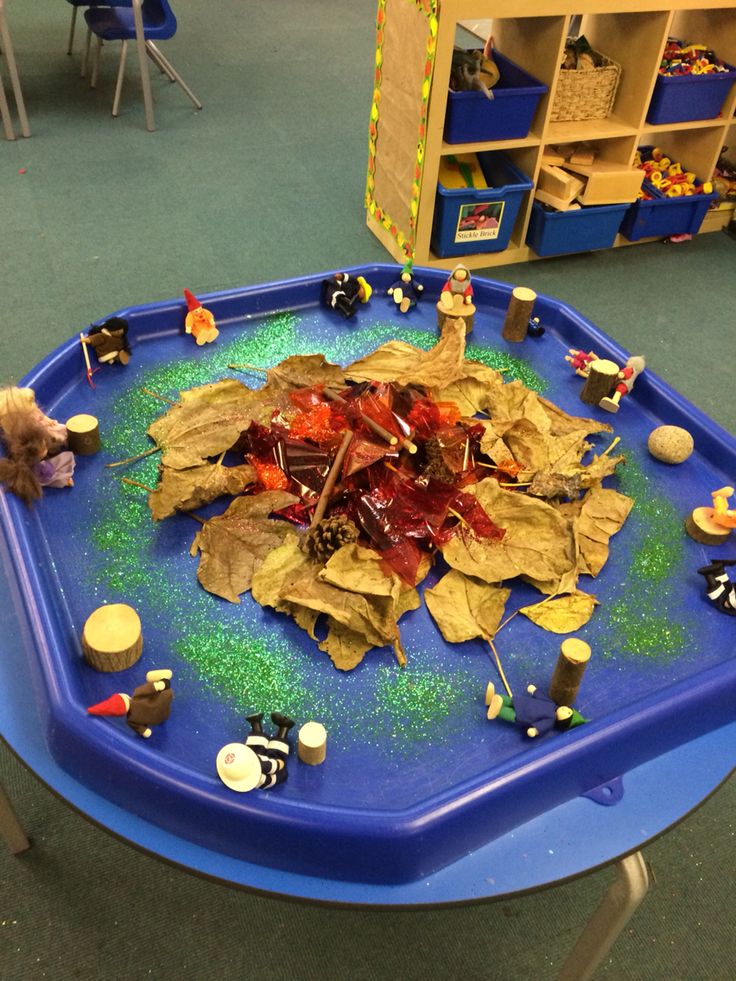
(442, 457)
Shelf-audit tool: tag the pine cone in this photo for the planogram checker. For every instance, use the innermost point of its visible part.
(329, 535)
(436, 468)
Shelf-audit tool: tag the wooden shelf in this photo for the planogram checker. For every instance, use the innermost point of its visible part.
(532, 34)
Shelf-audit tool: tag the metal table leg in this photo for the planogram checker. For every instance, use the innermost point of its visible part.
(618, 905)
(140, 40)
(10, 827)
(7, 46)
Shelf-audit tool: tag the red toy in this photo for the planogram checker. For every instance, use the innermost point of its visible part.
(199, 322)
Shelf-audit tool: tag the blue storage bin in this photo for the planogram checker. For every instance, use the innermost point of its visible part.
(470, 116)
(663, 216)
(681, 98)
(583, 230)
(469, 220)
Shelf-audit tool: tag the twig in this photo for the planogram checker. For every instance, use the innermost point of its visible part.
(541, 603)
(132, 459)
(520, 483)
(614, 443)
(500, 669)
(155, 395)
(459, 517)
(86, 360)
(331, 480)
(137, 483)
(245, 366)
(374, 426)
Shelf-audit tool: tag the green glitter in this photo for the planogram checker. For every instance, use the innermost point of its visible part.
(414, 703)
(255, 673)
(638, 625)
(514, 368)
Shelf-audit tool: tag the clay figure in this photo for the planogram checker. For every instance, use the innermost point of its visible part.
(342, 291)
(109, 341)
(719, 588)
(626, 378)
(259, 762)
(149, 705)
(406, 291)
(457, 291)
(534, 711)
(199, 322)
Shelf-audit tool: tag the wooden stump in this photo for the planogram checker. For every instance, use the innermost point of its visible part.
(83, 434)
(112, 639)
(569, 670)
(699, 524)
(465, 312)
(312, 743)
(600, 382)
(518, 314)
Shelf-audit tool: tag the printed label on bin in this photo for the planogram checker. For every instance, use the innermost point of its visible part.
(479, 222)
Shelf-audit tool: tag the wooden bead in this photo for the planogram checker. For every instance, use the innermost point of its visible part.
(83, 432)
(312, 743)
(112, 638)
(569, 670)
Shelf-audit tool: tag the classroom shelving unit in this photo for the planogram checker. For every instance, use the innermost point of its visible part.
(532, 33)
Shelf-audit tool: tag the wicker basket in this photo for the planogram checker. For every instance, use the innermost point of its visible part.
(586, 94)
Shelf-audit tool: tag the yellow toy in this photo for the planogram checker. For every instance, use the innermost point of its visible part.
(199, 322)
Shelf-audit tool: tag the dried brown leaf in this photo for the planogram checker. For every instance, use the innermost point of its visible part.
(602, 513)
(304, 371)
(562, 615)
(346, 647)
(464, 608)
(401, 362)
(183, 490)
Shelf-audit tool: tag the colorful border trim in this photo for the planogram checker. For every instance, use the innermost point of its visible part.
(405, 242)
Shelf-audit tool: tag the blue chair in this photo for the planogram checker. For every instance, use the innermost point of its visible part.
(156, 23)
(76, 4)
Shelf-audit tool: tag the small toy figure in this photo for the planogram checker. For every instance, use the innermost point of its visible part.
(722, 514)
(535, 712)
(712, 525)
(535, 328)
(110, 341)
(457, 293)
(342, 292)
(149, 705)
(627, 376)
(405, 291)
(32, 443)
(719, 589)
(260, 762)
(580, 360)
(200, 323)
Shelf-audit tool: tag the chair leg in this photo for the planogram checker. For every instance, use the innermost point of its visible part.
(71, 30)
(140, 45)
(85, 59)
(119, 82)
(171, 71)
(96, 64)
(5, 113)
(7, 46)
(152, 53)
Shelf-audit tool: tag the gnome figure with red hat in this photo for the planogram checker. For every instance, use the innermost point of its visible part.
(149, 705)
(199, 322)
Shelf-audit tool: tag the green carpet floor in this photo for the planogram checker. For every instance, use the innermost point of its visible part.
(266, 183)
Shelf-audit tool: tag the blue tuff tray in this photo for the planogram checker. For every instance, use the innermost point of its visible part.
(415, 777)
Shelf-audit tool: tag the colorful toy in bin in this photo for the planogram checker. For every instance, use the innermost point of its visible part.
(474, 71)
(625, 382)
(536, 713)
(34, 446)
(109, 341)
(719, 588)
(580, 360)
(406, 291)
(200, 323)
(692, 84)
(259, 762)
(149, 705)
(712, 525)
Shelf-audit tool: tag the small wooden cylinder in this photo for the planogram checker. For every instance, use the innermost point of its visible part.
(83, 433)
(699, 524)
(112, 638)
(466, 312)
(518, 314)
(569, 670)
(600, 382)
(312, 743)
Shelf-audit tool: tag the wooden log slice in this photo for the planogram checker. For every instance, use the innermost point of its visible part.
(312, 743)
(112, 638)
(83, 433)
(466, 313)
(569, 670)
(518, 314)
(600, 382)
(699, 524)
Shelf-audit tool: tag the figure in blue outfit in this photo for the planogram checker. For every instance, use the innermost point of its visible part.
(406, 290)
(534, 711)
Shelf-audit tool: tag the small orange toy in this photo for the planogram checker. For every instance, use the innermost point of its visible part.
(199, 322)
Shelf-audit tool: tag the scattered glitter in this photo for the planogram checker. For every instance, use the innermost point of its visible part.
(514, 368)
